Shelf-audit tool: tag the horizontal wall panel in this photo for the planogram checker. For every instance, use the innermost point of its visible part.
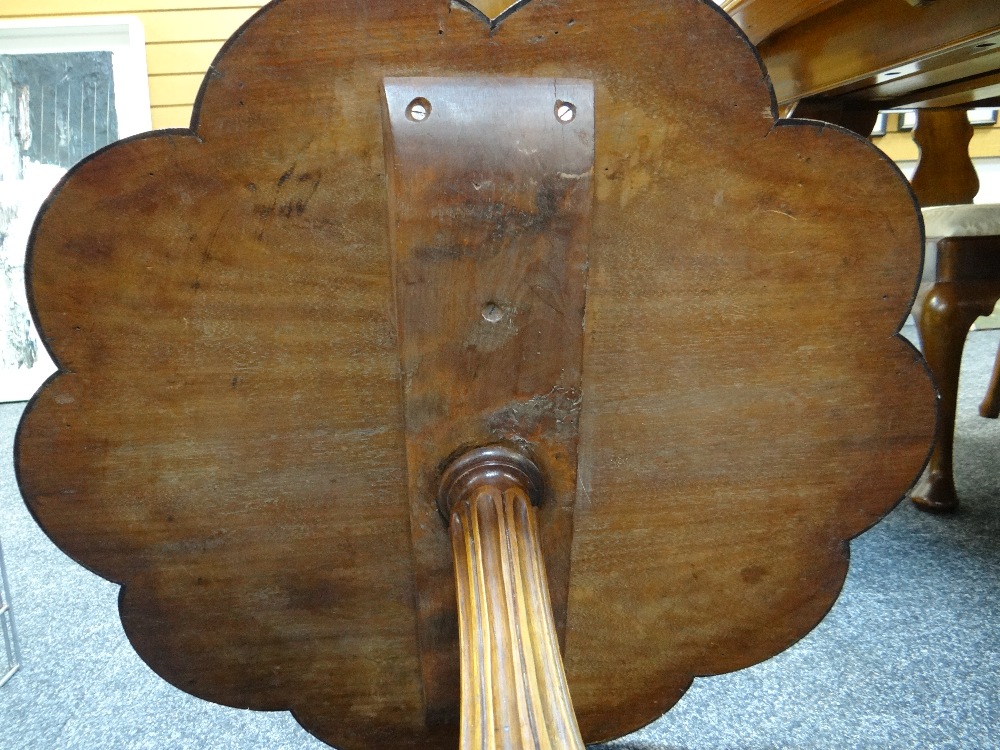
(193, 25)
(985, 142)
(172, 117)
(171, 58)
(29, 8)
(205, 24)
(168, 91)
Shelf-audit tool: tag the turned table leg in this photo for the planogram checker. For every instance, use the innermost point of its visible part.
(945, 174)
(514, 691)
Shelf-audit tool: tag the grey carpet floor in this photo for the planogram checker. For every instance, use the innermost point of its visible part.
(908, 658)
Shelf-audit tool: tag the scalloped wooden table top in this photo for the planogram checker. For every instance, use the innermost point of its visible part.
(228, 433)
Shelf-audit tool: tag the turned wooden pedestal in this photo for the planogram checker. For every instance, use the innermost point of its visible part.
(514, 691)
(464, 369)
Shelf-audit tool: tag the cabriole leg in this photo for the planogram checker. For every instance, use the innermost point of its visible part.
(946, 313)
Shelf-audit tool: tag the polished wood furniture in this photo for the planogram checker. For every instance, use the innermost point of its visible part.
(474, 362)
(967, 285)
(842, 61)
(876, 54)
(962, 285)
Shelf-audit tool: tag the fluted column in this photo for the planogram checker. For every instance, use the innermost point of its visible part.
(514, 691)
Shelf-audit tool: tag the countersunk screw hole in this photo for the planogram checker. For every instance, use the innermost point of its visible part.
(418, 110)
(565, 112)
(492, 312)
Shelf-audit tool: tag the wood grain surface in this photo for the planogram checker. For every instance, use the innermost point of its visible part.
(226, 436)
(945, 174)
(489, 246)
(888, 53)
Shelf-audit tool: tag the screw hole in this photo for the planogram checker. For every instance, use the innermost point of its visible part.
(492, 312)
(565, 112)
(418, 110)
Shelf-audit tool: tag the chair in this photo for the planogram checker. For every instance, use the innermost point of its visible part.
(961, 280)
(961, 283)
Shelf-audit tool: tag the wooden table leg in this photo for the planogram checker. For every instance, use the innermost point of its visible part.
(514, 691)
(945, 174)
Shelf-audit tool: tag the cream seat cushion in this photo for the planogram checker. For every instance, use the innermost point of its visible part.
(966, 220)
(970, 220)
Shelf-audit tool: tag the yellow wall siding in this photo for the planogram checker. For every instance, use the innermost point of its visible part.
(184, 36)
(900, 146)
(28, 8)
(173, 58)
(182, 39)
